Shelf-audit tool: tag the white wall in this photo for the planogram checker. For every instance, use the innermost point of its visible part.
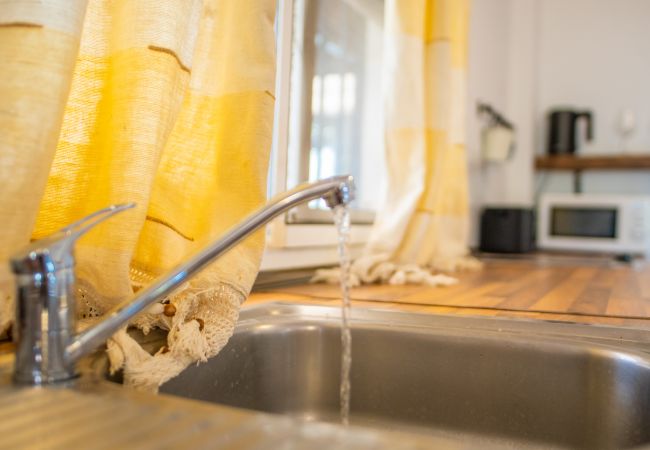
(487, 66)
(516, 175)
(528, 56)
(595, 54)
(501, 73)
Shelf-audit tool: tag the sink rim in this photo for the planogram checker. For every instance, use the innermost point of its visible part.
(631, 339)
(627, 342)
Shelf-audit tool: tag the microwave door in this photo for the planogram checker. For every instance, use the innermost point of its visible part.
(598, 223)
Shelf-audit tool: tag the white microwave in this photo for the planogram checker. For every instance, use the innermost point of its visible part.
(594, 222)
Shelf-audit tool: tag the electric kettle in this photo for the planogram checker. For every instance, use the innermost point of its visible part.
(562, 130)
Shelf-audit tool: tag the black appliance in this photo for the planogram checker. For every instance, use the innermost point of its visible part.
(507, 230)
(562, 130)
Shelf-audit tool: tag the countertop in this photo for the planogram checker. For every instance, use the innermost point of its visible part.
(567, 288)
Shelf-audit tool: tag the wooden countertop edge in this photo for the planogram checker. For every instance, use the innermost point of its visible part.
(329, 298)
(411, 306)
(547, 287)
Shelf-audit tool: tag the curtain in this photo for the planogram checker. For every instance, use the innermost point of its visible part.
(424, 222)
(168, 104)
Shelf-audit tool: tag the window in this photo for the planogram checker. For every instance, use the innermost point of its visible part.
(328, 121)
(335, 121)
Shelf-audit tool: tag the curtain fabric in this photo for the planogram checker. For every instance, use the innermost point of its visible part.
(424, 222)
(164, 103)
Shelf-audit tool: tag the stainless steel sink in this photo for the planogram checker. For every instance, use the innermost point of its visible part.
(519, 384)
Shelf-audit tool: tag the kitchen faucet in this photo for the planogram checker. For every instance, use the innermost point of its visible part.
(47, 343)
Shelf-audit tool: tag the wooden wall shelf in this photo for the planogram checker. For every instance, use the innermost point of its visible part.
(605, 162)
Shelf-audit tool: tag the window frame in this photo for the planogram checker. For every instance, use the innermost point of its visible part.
(301, 113)
(289, 244)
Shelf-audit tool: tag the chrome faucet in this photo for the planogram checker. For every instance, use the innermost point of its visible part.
(47, 343)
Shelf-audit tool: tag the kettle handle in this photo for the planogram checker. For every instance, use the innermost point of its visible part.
(590, 125)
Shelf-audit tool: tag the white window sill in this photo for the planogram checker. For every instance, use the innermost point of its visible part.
(293, 246)
(300, 258)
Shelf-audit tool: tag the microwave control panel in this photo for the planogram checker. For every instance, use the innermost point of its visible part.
(637, 226)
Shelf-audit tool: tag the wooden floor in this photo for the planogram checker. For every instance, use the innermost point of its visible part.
(548, 289)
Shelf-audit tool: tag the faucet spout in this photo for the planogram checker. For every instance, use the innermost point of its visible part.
(335, 191)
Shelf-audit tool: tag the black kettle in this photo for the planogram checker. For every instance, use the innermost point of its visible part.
(562, 130)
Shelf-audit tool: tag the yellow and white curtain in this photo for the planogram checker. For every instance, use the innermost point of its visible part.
(165, 103)
(423, 224)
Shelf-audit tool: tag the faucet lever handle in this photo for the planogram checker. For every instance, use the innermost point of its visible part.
(45, 320)
(57, 248)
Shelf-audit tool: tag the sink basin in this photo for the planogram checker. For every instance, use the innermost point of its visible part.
(520, 384)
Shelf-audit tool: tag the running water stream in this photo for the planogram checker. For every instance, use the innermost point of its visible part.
(342, 221)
